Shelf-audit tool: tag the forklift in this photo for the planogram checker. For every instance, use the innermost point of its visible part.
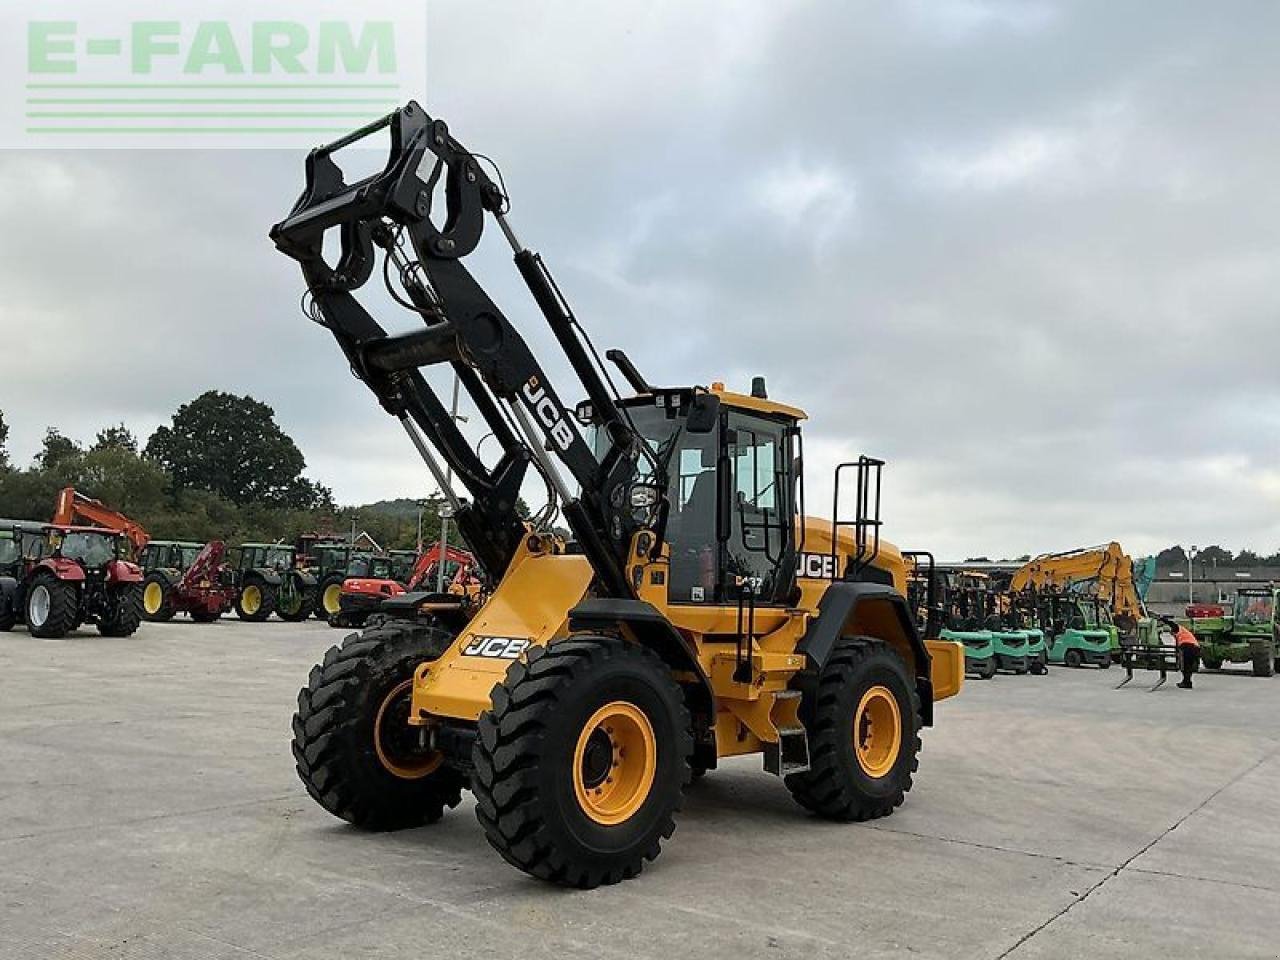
(696, 611)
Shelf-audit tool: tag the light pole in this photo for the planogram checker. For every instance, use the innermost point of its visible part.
(1191, 575)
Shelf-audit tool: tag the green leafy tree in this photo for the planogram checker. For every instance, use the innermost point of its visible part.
(1214, 554)
(1247, 558)
(56, 450)
(234, 447)
(117, 437)
(4, 439)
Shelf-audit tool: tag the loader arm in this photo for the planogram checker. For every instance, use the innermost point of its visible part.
(465, 329)
(72, 507)
(206, 565)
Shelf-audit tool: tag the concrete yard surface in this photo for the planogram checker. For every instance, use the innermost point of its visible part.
(150, 810)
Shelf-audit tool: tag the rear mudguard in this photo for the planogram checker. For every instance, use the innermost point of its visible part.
(878, 610)
(266, 575)
(62, 568)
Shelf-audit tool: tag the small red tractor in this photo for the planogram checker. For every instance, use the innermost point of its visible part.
(186, 578)
(67, 576)
(363, 594)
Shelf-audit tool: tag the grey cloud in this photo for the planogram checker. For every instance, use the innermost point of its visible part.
(1023, 251)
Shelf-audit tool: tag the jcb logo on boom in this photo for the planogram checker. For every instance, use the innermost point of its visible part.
(550, 416)
(496, 648)
(816, 566)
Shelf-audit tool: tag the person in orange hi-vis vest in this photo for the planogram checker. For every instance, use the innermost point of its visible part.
(1188, 651)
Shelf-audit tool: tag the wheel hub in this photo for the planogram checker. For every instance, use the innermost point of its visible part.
(877, 731)
(38, 608)
(396, 742)
(614, 763)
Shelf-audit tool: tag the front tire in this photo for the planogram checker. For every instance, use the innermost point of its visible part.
(51, 607)
(581, 762)
(1262, 664)
(862, 714)
(124, 614)
(1073, 658)
(294, 599)
(355, 751)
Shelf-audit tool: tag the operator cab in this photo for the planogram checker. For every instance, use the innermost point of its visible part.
(731, 463)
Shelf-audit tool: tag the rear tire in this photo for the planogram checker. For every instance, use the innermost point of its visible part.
(255, 601)
(862, 714)
(581, 762)
(124, 614)
(157, 598)
(51, 607)
(355, 751)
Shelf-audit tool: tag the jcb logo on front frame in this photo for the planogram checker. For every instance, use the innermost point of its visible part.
(816, 566)
(549, 415)
(495, 648)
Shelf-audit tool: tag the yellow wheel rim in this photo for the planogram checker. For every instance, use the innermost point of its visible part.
(332, 593)
(251, 599)
(877, 731)
(391, 733)
(614, 763)
(153, 598)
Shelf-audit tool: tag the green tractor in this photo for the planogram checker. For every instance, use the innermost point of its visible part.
(1077, 629)
(259, 571)
(317, 581)
(1248, 634)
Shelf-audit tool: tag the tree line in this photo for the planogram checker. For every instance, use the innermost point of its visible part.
(222, 468)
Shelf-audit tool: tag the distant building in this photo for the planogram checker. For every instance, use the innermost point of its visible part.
(1173, 589)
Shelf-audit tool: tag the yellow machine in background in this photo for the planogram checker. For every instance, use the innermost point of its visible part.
(697, 612)
(1104, 571)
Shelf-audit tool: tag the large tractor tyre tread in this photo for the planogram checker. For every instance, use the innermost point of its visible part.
(157, 598)
(359, 684)
(324, 601)
(63, 615)
(286, 609)
(266, 601)
(124, 614)
(836, 786)
(528, 772)
(8, 615)
(1275, 664)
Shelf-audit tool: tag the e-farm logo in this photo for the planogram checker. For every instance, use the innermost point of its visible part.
(130, 73)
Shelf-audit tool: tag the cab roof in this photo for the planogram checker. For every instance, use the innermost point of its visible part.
(173, 543)
(745, 401)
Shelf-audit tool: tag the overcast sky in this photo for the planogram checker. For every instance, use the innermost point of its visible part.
(1026, 252)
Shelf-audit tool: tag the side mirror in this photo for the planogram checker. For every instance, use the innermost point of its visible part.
(704, 413)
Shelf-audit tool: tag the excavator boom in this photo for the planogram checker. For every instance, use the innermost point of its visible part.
(72, 506)
(1105, 570)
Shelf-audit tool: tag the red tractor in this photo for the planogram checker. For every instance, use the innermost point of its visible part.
(186, 578)
(75, 575)
(384, 578)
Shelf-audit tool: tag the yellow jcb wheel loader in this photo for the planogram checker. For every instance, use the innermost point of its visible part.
(697, 612)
